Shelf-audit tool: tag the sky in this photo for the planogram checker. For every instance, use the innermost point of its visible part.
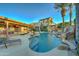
(32, 12)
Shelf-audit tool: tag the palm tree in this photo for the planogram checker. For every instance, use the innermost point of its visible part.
(62, 7)
(70, 12)
(70, 5)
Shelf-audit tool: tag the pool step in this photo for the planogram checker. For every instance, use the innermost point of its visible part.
(34, 43)
(35, 47)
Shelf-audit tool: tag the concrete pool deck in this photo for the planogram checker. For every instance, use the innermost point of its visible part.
(24, 50)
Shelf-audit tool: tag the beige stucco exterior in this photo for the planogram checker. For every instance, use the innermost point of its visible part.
(13, 26)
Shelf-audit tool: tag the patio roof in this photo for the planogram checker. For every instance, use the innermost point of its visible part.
(3, 19)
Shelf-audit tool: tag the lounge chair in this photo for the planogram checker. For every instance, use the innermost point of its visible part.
(10, 42)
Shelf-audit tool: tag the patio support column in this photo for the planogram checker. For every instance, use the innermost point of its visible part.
(7, 26)
(6, 30)
(77, 27)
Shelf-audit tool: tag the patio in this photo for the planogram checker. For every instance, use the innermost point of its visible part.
(24, 50)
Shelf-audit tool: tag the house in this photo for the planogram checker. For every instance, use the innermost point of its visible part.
(13, 27)
(46, 23)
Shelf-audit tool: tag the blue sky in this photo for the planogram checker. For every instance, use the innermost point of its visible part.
(30, 12)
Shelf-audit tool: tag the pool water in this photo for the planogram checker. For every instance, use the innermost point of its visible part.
(44, 42)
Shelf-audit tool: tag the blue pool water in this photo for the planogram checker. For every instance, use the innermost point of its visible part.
(44, 42)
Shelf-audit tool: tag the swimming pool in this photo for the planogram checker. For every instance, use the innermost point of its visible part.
(44, 42)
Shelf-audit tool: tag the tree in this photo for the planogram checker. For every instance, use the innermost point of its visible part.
(70, 8)
(62, 7)
(70, 5)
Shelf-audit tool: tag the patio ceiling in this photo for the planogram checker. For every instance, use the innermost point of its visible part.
(13, 22)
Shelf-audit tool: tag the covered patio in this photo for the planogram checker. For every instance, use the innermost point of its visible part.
(10, 28)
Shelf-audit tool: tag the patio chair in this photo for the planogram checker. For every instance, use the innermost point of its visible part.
(9, 42)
